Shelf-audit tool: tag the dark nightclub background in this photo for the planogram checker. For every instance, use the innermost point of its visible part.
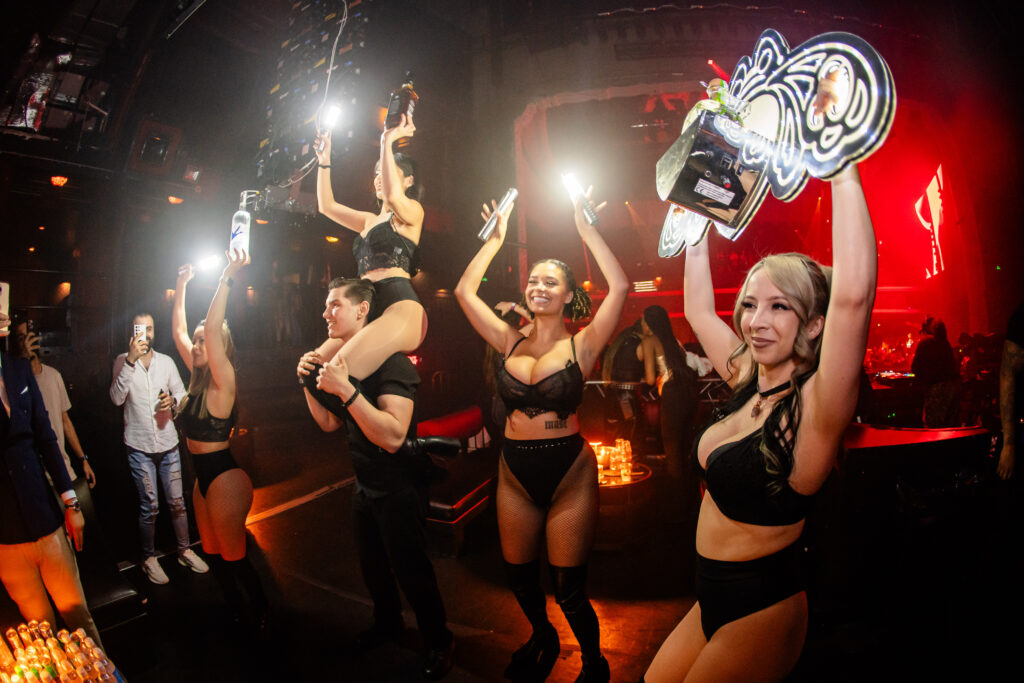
(129, 128)
(512, 93)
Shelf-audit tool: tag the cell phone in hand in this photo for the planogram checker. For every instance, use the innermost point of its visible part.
(139, 330)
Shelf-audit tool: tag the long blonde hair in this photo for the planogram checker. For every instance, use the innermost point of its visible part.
(200, 380)
(806, 285)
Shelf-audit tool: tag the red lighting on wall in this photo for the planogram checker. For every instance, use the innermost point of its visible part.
(414, 359)
(930, 213)
(58, 180)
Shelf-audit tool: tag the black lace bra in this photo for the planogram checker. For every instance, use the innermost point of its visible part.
(738, 482)
(561, 392)
(385, 247)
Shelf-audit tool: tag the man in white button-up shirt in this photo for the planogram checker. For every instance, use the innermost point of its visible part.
(149, 387)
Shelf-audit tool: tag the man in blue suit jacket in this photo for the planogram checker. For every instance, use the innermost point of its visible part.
(35, 557)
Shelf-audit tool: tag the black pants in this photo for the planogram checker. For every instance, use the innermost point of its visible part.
(391, 534)
(679, 403)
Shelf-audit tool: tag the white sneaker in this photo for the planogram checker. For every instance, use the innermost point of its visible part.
(189, 559)
(154, 572)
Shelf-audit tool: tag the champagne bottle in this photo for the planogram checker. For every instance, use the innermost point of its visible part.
(403, 101)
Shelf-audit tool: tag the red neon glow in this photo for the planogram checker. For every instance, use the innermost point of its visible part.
(933, 220)
(414, 359)
(718, 70)
(58, 180)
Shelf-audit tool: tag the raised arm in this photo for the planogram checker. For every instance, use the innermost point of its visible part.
(832, 392)
(495, 331)
(408, 210)
(179, 326)
(713, 333)
(344, 216)
(591, 340)
(222, 372)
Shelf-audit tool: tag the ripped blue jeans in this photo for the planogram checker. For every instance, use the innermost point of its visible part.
(146, 469)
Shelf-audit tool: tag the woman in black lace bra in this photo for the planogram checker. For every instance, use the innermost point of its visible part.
(547, 479)
(386, 253)
(793, 358)
(222, 494)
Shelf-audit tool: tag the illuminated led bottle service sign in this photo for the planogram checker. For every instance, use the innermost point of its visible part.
(760, 133)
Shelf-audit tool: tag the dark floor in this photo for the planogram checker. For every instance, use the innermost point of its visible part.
(926, 601)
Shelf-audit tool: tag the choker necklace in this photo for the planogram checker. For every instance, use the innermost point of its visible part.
(762, 398)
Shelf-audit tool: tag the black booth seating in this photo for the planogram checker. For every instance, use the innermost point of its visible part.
(465, 488)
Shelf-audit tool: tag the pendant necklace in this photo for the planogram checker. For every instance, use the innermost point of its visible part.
(762, 398)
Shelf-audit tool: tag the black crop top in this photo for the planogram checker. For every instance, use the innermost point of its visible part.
(737, 480)
(208, 428)
(561, 392)
(385, 247)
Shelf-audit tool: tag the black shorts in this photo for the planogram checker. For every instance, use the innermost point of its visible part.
(209, 466)
(540, 464)
(388, 291)
(728, 591)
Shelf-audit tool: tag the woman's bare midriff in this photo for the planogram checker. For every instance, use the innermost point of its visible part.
(721, 538)
(200, 447)
(547, 425)
(378, 274)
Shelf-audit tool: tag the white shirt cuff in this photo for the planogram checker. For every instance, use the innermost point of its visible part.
(69, 496)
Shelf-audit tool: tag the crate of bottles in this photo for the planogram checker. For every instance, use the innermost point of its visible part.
(32, 653)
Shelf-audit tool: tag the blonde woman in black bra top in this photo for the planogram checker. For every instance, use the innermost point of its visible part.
(222, 494)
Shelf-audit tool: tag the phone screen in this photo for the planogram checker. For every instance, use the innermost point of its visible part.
(5, 300)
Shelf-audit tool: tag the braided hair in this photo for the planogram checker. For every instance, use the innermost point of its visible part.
(580, 305)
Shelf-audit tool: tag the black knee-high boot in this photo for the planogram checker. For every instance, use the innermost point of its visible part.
(226, 580)
(250, 581)
(571, 595)
(534, 660)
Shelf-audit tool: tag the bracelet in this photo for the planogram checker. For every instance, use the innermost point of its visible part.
(352, 398)
(228, 281)
(73, 505)
(129, 363)
(85, 458)
(323, 165)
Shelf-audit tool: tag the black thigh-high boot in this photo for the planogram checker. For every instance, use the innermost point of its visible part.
(250, 580)
(534, 660)
(571, 595)
(226, 580)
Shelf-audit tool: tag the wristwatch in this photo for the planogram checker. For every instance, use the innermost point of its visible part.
(73, 505)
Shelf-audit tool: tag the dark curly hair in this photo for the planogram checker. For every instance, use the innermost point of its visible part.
(580, 305)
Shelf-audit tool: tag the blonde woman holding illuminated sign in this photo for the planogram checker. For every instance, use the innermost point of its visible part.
(793, 358)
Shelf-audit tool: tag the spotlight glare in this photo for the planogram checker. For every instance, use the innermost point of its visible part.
(331, 117)
(331, 238)
(58, 180)
(175, 200)
(208, 262)
(572, 185)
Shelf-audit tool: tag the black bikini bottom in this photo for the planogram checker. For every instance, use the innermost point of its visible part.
(209, 466)
(728, 591)
(388, 291)
(540, 464)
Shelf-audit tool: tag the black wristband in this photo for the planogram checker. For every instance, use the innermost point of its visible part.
(352, 398)
(228, 281)
(323, 165)
(129, 363)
